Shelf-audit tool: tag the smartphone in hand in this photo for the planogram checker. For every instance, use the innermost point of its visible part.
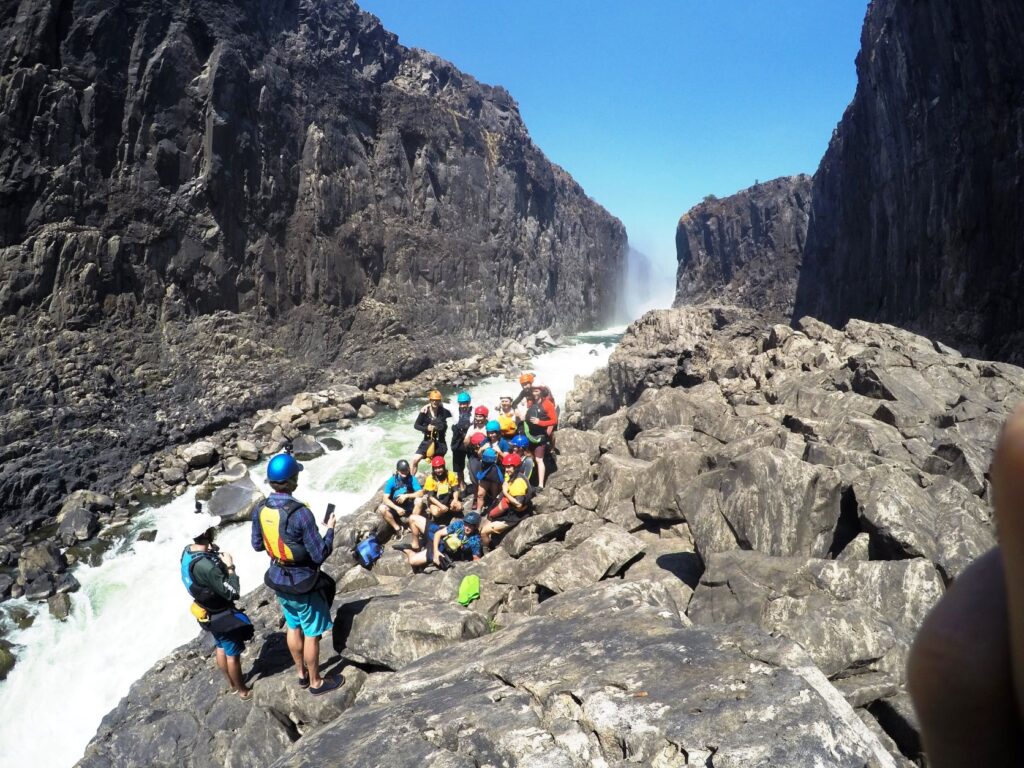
(330, 511)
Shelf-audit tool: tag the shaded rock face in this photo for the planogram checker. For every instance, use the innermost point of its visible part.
(203, 203)
(917, 205)
(745, 249)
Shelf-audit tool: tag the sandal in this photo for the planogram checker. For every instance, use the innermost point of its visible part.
(247, 696)
(332, 683)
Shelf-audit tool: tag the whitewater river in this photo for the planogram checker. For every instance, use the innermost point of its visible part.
(132, 608)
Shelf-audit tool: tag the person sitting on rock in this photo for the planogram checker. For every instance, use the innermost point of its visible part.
(541, 419)
(438, 504)
(495, 441)
(286, 529)
(525, 396)
(459, 431)
(210, 578)
(522, 448)
(400, 494)
(432, 421)
(515, 504)
(488, 479)
(459, 540)
(507, 419)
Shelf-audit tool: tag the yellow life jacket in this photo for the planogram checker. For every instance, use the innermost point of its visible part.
(273, 523)
(507, 422)
(444, 487)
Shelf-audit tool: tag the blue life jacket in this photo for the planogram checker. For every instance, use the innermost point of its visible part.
(202, 594)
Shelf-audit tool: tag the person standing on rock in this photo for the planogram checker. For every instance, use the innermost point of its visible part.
(459, 430)
(286, 529)
(432, 421)
(507, 419)
(210, 578)
(541, 419)
(476, 435)
(524, 398)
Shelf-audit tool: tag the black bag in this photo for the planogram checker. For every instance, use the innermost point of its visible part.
(231, 622)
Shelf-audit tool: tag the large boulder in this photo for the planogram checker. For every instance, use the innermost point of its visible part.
(572, 691)
(904, 520)
(390, 631)
(766, 500)
(201, 454)
(233, 502)
(853, 618)
(36, 560)
(602, 554)
(79, 524)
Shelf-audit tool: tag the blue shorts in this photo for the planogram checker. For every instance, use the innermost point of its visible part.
(229, 646)
(310, 613)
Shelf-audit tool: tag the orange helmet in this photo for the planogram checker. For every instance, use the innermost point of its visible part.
(526, 378)
(435, 395)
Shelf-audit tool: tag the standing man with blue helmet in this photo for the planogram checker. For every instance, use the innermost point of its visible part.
(459, 430)
(286, 529)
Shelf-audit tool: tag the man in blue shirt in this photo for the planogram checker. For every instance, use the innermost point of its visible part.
(286, 529)
(400, 494)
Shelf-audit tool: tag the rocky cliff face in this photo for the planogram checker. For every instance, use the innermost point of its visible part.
(202, 201)
(728, 568)
(745, 249)
(918, 207)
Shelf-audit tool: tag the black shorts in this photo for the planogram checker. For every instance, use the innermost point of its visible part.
(440, 448)
(510, 518)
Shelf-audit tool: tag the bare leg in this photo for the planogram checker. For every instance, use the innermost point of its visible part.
(295, 645)
(234, 674)
(222, 664)
(541, 466)
(311, 655)
(418, 526)
(389, 517)
(415, 463)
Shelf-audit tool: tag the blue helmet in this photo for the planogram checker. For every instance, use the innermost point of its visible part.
(472, 518)
(463, 398)
(489, 456)
(282, 467)
(521, 441)
(493, 426)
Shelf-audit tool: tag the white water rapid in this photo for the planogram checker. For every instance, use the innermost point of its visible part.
(132, 608)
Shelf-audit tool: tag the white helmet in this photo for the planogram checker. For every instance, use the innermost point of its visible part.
(200, 522)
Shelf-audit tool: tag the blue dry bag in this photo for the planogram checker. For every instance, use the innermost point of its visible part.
(369, 551)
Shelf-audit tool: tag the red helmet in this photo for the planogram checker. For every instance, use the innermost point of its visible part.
(477, 438)
(481, 410)
(511, 460)
(437, 461)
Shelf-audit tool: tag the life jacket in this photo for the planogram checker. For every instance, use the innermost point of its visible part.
(489, 471)
(444, 487)
(402, 485)
(207, 599)
(282, 549)
(508, 423)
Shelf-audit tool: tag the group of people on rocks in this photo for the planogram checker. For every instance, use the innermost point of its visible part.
(499, 459)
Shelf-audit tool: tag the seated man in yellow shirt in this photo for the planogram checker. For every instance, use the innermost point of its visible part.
(439, 503)
(515, 504)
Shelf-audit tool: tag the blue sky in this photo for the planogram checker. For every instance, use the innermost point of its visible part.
(653, 105)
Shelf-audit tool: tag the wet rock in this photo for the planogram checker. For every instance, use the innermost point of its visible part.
(60, 606)
(79, 524)
(40, 588)
(305, 447)
(331, 443)
(7, 659)
(149, 535)
(365, 412)
(199, 455)
(6, 582)
(233, 502)
(40, 560)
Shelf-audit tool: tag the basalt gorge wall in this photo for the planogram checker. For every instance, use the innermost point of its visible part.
(914, 214)
(204, 203)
